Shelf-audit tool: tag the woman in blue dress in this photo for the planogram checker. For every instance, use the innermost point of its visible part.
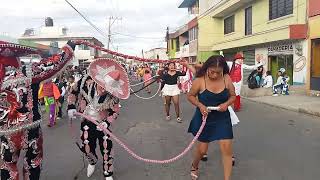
(212, 87)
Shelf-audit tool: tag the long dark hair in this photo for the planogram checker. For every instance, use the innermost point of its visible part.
(214, 61)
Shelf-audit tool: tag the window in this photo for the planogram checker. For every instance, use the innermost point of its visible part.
(193, 34)
(248, 21)
(279, 8)
(83, 47)
(229, 25)
(177, 44)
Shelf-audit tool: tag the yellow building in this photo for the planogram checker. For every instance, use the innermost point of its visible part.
(314, 44)
(271, 31)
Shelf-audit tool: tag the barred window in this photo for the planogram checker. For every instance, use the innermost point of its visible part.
(279, 8)
(248, 21)
(229, 25)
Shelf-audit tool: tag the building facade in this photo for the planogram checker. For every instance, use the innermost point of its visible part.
(271, 31)
(314, 47)
(156, 53)
(183, 42)
(56, 37)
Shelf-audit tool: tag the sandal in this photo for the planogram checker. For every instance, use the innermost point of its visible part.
(179, 120)
(204, 158)
(194, 173)
(233, 161)
(168, 118)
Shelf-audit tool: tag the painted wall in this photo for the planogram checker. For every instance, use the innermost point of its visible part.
(264, 30)
(204, 55)
(172, 48)
(209, 32)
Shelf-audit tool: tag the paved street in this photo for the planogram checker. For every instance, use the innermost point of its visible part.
(270, 144)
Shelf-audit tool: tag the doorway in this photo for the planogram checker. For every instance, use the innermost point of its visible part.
(315, 65)
(281, 61)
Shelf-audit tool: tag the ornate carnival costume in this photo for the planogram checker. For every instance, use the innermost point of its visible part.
(97, 95)
(20, 118)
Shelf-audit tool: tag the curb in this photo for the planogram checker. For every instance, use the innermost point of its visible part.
(299, 110)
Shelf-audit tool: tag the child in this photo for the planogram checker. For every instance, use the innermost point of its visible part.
(282, 83)
(268, 80)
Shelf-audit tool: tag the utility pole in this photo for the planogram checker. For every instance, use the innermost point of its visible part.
(113, 19)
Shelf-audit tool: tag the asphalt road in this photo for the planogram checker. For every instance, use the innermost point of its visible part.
(270, 144)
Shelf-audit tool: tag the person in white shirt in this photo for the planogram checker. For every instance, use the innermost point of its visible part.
(282, 83)
(268, 80)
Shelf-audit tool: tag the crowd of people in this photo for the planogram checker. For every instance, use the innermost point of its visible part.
(213, 88)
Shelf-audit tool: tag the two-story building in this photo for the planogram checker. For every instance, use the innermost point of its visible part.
(271, 31)
(56, 37)
(183, 42)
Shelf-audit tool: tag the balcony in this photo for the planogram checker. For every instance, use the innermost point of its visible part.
(184, 52)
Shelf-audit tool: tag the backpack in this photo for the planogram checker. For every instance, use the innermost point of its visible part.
(252, 82)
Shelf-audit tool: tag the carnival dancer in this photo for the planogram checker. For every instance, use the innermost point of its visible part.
(236, 73)
(51, 94)
(147, 77)
(186, 81)
(171, 90)
(20, 118)
(212, 87)
(97, 95)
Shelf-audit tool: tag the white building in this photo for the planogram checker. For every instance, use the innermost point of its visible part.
(156, 53)
(56, 37)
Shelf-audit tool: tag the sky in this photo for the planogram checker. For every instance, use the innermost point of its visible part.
(144, 20)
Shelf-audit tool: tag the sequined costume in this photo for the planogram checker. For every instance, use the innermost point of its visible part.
(20, 118)
(103, 107)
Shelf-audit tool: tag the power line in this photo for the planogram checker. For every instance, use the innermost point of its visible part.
(101, 32)
(87, 20)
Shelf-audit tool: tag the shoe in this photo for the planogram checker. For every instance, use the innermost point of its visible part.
(204, 158)
(120, 105)
(168, 118)
(194, 173)
(179, 120)
(90, 170)
(274, 95)
(233, 161)
(109, 178)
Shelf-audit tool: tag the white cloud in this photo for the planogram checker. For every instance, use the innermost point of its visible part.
(142, 18)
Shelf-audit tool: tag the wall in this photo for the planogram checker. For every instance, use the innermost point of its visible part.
(209, 32)
(204, 55)
(172, 48)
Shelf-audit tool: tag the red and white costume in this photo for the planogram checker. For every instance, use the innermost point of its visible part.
(236, 74)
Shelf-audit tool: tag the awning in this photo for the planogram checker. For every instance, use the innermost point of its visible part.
(187, 3)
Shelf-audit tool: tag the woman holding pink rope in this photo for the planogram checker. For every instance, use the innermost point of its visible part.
(212, 87)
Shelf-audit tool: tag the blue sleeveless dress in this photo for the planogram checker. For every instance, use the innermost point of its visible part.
(218, 126)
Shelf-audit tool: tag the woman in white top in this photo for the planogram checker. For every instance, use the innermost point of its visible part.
(268, 80)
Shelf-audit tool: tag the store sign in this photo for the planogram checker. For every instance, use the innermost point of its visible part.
(286, 48)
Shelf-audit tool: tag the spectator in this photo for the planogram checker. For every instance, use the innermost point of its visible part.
(268, 80)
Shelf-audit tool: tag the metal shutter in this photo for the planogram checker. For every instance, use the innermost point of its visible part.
(249, 56)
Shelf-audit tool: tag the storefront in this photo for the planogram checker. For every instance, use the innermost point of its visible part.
(289, 55)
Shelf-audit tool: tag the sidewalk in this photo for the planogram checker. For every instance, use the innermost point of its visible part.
(298, 103)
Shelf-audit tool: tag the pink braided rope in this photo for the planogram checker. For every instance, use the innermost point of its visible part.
(133, 154)
(124, 55)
